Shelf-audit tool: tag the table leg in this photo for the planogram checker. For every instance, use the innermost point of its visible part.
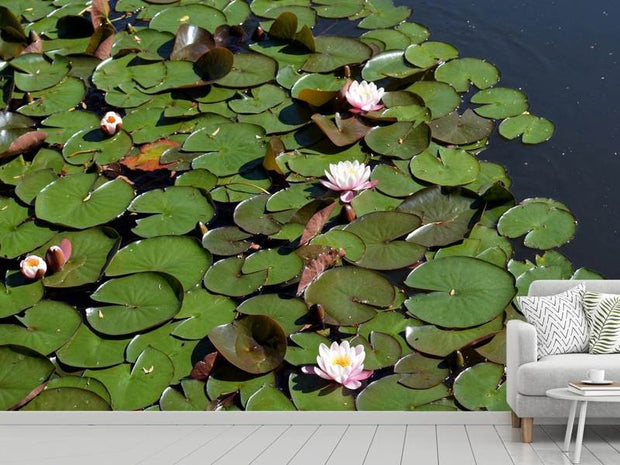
(569, 425)
(580, 427)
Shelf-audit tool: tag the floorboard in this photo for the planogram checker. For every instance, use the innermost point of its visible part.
(453, 445)
(320, 446)
(353, 446)
(420, 445)
(487, 446)
(387, 445)
(282, 450)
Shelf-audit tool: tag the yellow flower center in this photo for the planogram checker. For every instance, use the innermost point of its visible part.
(111, 119)
(343, 361)
(32, 262)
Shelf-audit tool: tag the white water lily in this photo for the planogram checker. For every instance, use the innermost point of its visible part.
(111, 123)
(341, 363)
(347, 178)
(33, 267)
(364, 96)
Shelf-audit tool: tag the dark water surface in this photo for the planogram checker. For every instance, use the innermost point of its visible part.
(564, 55)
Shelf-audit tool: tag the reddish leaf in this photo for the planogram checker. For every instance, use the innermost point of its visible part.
(99, 12)
(316, 223)
(105, 48)
(222, 402)
(191, 42)
(316, 266)
(202, 369)
(36, 44)
(341, 131)
(274, 148)
(26, 142)
(31, 395)
(148, 158)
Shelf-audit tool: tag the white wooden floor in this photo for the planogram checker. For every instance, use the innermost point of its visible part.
(298, 445)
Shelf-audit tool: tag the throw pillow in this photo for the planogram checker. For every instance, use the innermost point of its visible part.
(603, 315)
(560, 321)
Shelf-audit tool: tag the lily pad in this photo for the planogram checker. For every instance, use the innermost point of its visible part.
(281, 265)
(18, 293)
(388, 394)
(440, 98)
(379, 231)
(19, 232)
(227, 379)
(21, 370)
(352, 245)
(193, 397)
(390, 64)
(170, 19)
(460, 72)
(382, 350)
(226, 241)
(226, 277)
(43, 328)
(317, 89)
(532, 129)
(256, 344)
(79, 382)
(269, 398)
(333, 52)
(138, 386)
(453, 167)
(544, 224)
(250, 215)
(421, 372)
(478, 388)
(83, 200)
(430, 54)
(383, 13)
(67, 399)
(399, 140)
(500, 102)
(32, 183)
(464, 292)
(249, 70)
(432, 340)
(263, 98)
(349, 295)
(290, 314)
(63, 96)
(92, 144)
(461, 129)
(310, 392)
(37, 72)
(86, 349)
(396, 181)
(139, 301)
(306, 348)
(60, 127)
(201, 312)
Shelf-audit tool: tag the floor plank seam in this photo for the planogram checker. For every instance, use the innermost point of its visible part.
(337, 444)
(173, 443)
(504, 444)
(402, 450)
(370, 445)
(304, 444)
(202, 445)
(237, 444)
(270, 444)
(471, 448)
(436, 444)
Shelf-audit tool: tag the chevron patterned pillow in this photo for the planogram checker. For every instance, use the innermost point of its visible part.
(560, 321)
(603, 315)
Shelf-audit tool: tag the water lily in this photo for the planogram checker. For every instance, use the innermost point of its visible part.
(341, 363)
(33, 267)
(58, 255)
(111, 123)
(364, 96)
(348, 177)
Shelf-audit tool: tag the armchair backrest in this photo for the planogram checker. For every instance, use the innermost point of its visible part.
(555, 286)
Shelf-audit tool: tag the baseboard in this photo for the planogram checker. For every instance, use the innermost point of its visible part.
(253, 418)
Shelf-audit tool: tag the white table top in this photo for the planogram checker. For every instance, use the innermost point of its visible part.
(565, 394)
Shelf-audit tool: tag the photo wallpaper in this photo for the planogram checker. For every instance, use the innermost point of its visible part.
(222, 205)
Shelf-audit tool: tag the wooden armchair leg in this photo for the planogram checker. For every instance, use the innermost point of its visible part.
(516, 421)
(527, 429)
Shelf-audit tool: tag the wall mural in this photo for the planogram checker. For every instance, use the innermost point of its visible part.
(216, 205)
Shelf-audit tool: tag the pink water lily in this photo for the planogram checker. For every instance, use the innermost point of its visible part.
(341, 363)
(111, 123)
(33, 267)
(364, 96)
(347, 178)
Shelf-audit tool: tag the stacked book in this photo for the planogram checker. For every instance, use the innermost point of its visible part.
(588, 389)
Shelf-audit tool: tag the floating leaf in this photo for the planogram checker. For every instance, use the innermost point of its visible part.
(399, 140)
(382, 350)
(333, 52)
(269, 398)
(225, 277)
(67, 399)
(453, 167)
(461, 129)
(226, 379)
(391, 64)
(383, 13)
(289, 313)
(63, 96)
(281, 265)
(430, 54)
(201, 312)
(421, 372)
(317, 89)
(460, 72)
(341, 131)
(249, 70)
(170, 19)
(532, 129)
(12, 127)
(18, 293)
(226, 241)
(352, 245)
(439, 97)
(306, 349)
(478, 388)
(388, 394)
(21, 370)
(500, 102)
(256, 344)
(263, 98)
(464, 291)
(310, 392)
(149, 158)
(194, 397)
(37, 72)
(396, 181)
(86, 349)
(19, 232)
(139, 301)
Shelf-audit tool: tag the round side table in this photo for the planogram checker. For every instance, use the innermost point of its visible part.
(565, 394)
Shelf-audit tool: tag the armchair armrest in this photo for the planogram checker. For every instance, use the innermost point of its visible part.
(521, 348)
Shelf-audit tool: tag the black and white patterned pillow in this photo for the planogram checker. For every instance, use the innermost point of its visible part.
(560, 321)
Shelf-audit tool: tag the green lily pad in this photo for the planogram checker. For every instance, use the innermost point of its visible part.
(453, 167)
(175, 210)
(201, 312)
(255, 344)
(86, 349)
(226, 277)
(382, 350)
(249, 70)
(349, 295)
(250, 215)
(150, 44)
(310, 392)
(342, 131)
(138, 386)
(390, 64)
(263, 98)
(478, 388)
(440, 98)
(67, 399)
(445, 217)
(483, 243)
(389, 39)
(226, 241)
(79, 382)
(353, 245)
(532, 129)
(227, 379)
(281, 265)
(334, 52)
(399, 140)
(37, 72)
(383, 13)
(83, 200)
(421, 372)
(60, 127)
(379, 231)
(388, 394)
(489, 176)
(12, 126)
(396, 181)
(19, 232)
(201, 179)
(170, 19)
(464, 292)
(393, 323)
(306, 349)
(43, 328)
(18, 293)
(140, 301)
(544, 224)
(430, 54)
(337, 8)
(63, 96)
(269, 398)
(495, 349)
(317, 89)
(500, 102)
(21, 370)
(461, 129)
(460, 72)
(290, 314)
(32, 183)
(432, 340)
(193, 397)
(372, 201)
(230, 147)
(181, 257)
(92, 144)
